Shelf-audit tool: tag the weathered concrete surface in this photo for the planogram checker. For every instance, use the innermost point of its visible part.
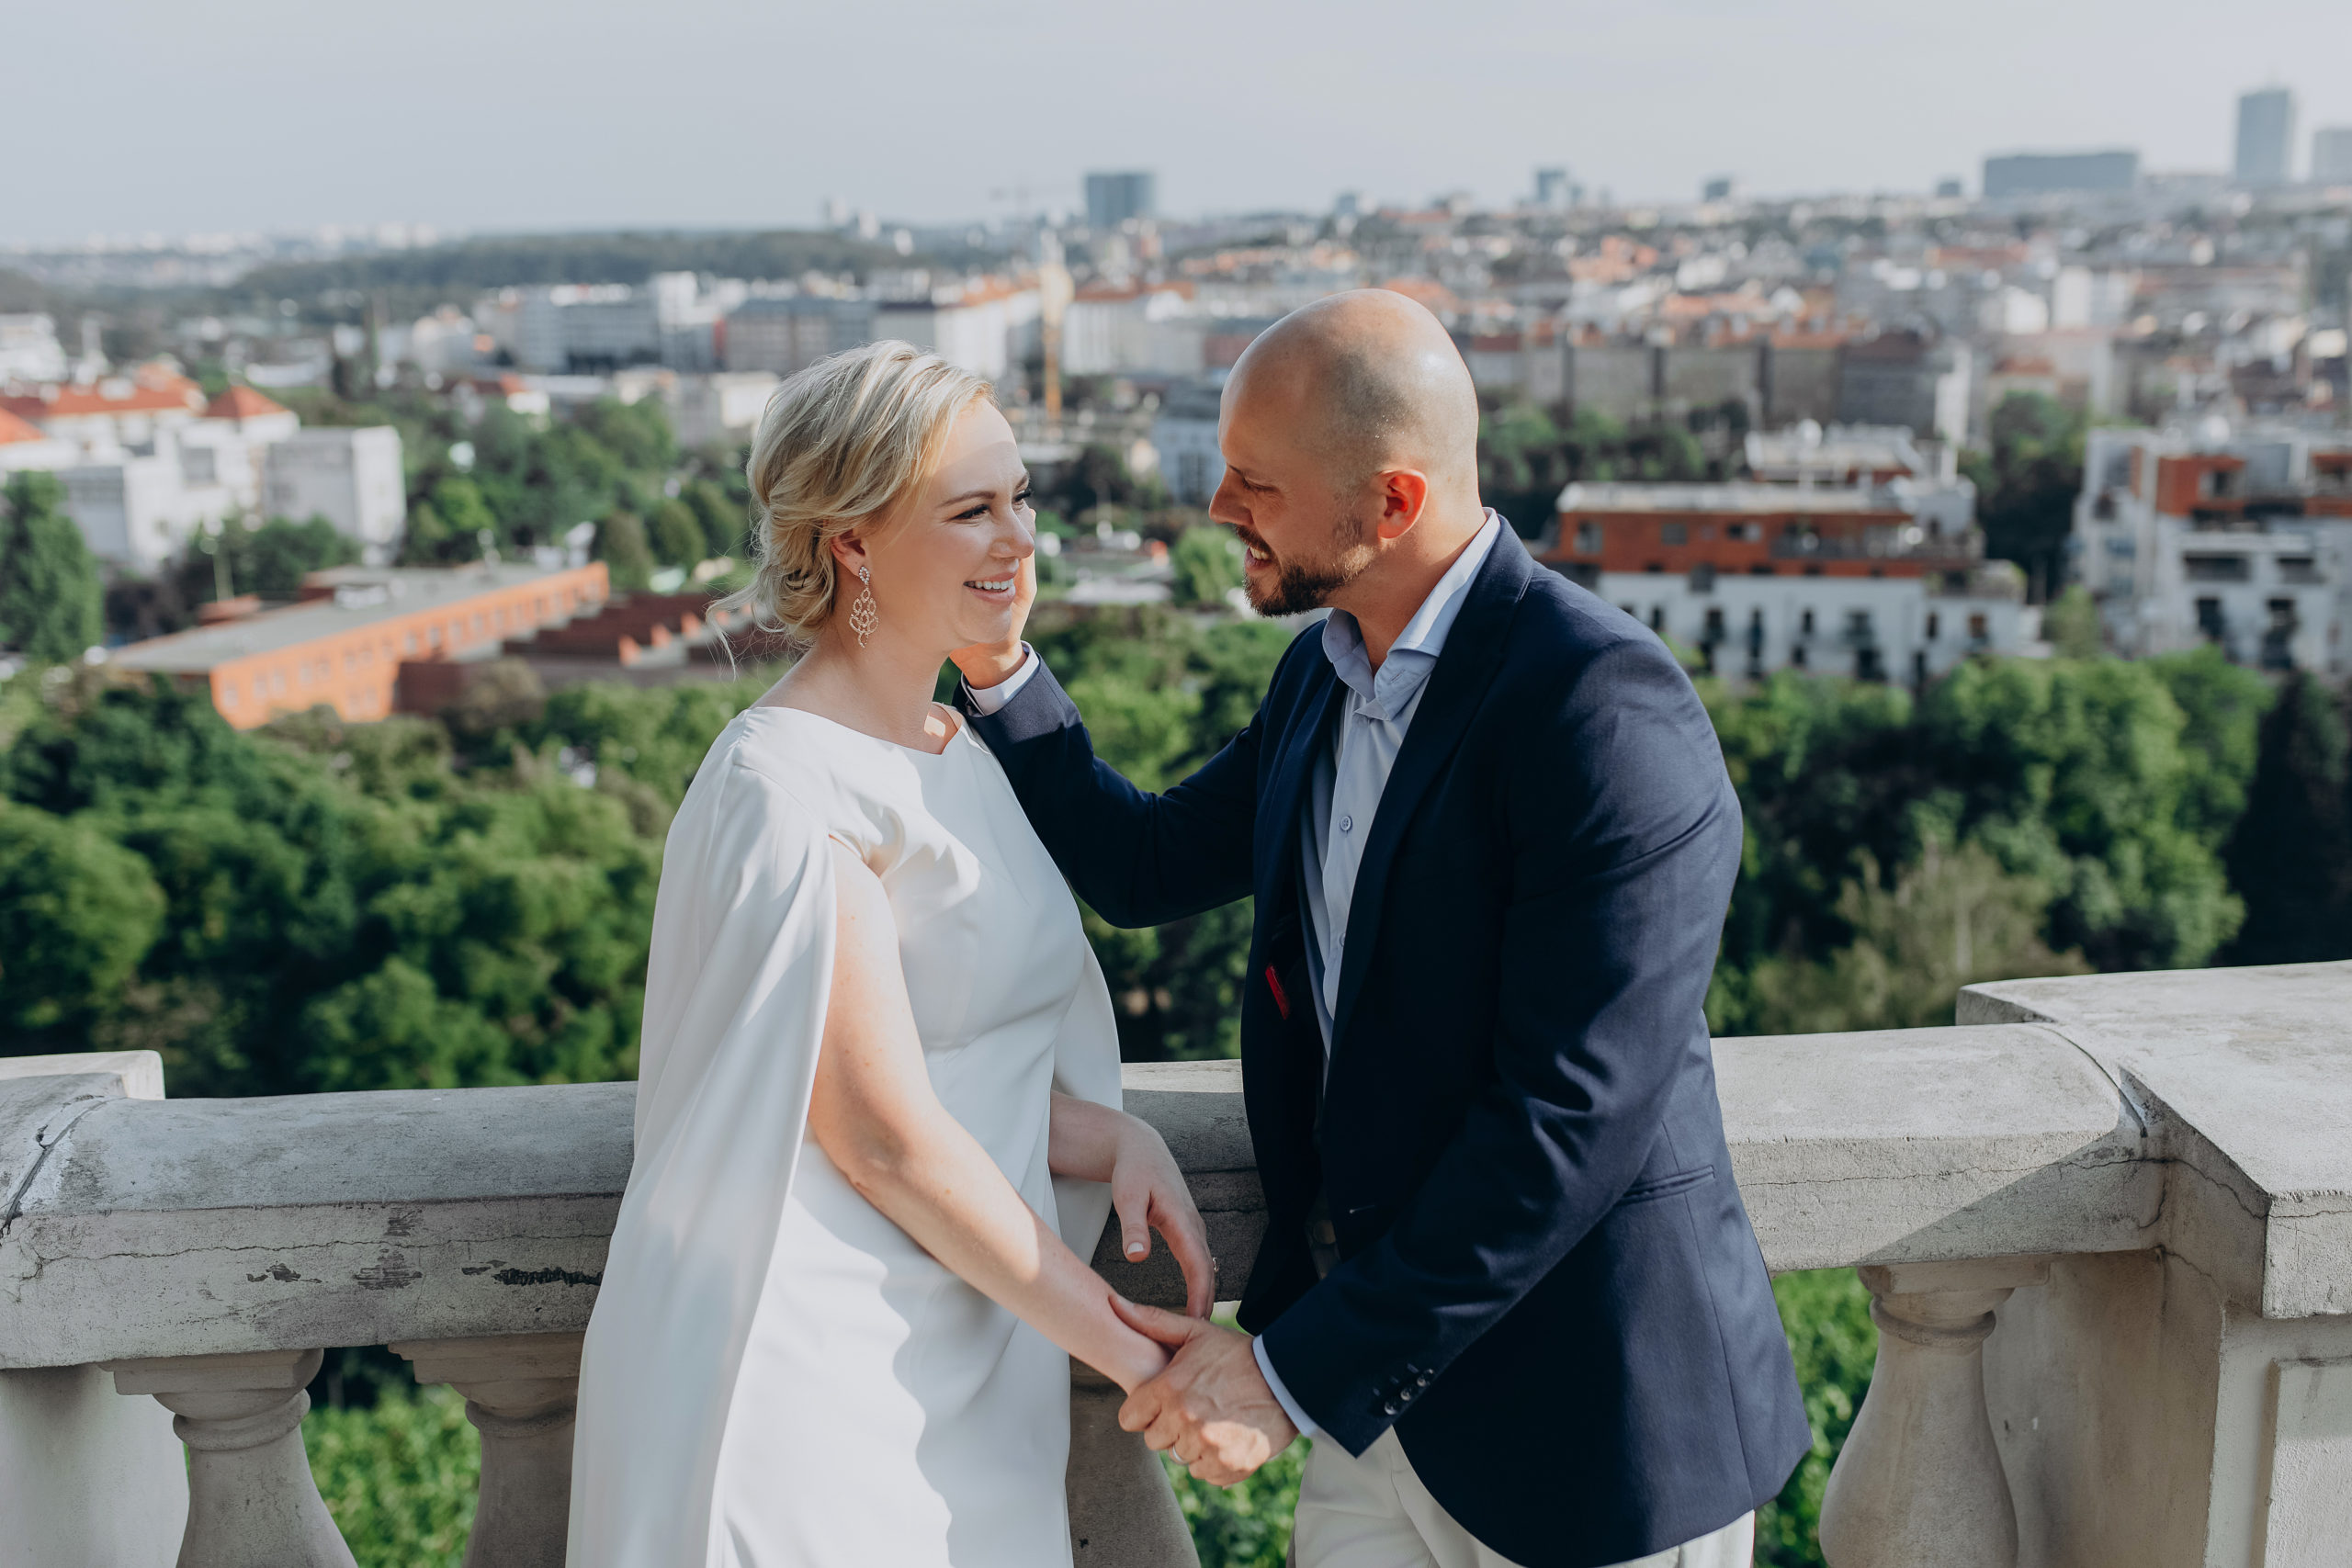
(1910, 1145)
(87, 1478)
(222, 1226)
(2245, 1076)
(203, 1227)
(1197, 1106)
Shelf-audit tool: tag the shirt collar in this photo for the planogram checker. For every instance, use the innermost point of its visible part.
(1384, 694)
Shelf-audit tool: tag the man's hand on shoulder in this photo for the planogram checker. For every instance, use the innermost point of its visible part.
(1211, 1405)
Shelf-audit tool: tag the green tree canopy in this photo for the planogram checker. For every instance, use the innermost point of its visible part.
(2291, 851)
(1208, 564)
(724, 520)
(2027, 484)
(676, 535)
(621, 544)
(77, 913)
(53, 604)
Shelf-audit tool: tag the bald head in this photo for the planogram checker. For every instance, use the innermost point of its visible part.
(1368, 379)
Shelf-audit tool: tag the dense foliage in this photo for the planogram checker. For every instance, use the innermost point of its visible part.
(2024, 816)
(2027, 482)
(1834, 1345)
(400, 1476)
(51, 601)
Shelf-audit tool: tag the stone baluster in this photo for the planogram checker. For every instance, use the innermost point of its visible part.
(1123, 1512)
(521, 1391)
(1919, 1483)
(250, 1501)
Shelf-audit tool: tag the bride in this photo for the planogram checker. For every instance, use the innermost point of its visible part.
(877, 1123)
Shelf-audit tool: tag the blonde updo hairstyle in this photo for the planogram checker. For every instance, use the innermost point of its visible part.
(840, 444)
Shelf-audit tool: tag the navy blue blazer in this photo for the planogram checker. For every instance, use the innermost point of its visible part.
(1548, 1284)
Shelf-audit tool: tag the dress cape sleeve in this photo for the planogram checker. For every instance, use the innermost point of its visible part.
(737, 981)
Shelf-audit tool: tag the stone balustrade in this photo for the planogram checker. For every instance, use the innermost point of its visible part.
(2106, 1224)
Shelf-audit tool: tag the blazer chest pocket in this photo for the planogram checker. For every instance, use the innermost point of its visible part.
(1666, 1186)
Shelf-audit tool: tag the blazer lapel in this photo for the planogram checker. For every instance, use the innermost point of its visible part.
(1464, 669)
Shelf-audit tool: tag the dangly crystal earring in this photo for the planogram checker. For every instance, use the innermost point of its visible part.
(862, 615)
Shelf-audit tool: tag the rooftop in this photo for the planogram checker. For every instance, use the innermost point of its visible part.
(1807, 447)
(361, 597)
(148, 388)
(1760, 498)
(241, 402)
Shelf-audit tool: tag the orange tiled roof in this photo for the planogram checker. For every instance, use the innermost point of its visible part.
(154, 392)
(241, 402)
(13, 429)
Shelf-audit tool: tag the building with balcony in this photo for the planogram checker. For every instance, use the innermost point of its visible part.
(2242, 538)
(1856, 580)
(2106, 1225)
(359, 639)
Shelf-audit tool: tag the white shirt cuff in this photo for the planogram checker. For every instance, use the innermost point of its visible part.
(986, 700)
(1298, 1418)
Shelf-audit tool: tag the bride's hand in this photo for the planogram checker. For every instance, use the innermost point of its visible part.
(985, 664)
(1148, 1194)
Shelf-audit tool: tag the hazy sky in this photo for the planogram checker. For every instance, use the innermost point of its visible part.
(137, 116)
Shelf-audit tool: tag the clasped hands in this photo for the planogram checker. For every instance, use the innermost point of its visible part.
(1209, 1402)
(1210, 1405)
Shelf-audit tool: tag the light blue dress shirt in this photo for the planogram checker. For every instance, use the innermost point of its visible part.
(1344, 793)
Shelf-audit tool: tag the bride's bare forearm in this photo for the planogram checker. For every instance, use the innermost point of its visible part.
(873, 1111)
(957, 1204)
(1084, 1138)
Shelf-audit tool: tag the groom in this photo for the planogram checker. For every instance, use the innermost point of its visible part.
(1508, 1284)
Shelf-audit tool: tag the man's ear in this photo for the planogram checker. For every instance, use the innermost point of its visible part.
(1404, 492)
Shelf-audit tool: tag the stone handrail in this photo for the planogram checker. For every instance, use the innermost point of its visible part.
(2156, 1164)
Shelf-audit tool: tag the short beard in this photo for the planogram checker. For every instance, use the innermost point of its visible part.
(1301, 586)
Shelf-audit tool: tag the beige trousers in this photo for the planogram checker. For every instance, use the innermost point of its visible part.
(1374, 1512)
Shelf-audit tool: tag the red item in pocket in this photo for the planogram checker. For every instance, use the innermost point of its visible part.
(1275, 986)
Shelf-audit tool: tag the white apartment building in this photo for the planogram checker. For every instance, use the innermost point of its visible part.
(1134, 330)
(351, 477)
(1757, 578)
(24, 445)
(725, 407)
(30, 350)
(987, 325)
(2239, 538)
(574, 327)
(138, 510)
(146, 462)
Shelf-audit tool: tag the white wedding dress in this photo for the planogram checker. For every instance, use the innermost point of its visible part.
(775, 1375)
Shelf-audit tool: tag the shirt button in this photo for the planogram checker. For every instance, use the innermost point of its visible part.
(1347, 824)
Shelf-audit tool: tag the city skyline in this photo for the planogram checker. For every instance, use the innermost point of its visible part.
(522, 116)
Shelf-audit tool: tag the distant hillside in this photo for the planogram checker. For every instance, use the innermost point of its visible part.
(416, 280)
(20, 292)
